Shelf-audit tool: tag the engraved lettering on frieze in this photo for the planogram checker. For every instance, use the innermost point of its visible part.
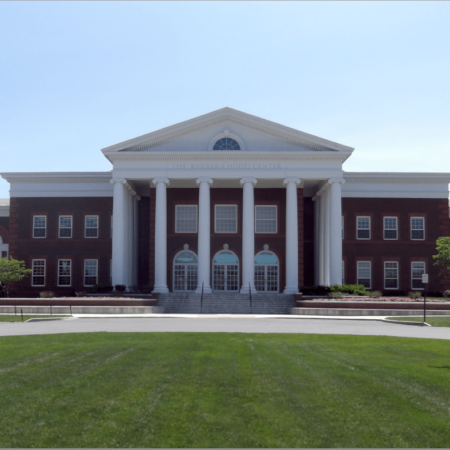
(230, 166)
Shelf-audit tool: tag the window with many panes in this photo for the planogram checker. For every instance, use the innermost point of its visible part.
(91, 227)
(364, 273)
(417, 228)
(38, 272)
(39, 226)
(64, 272)
(186, 219)
(266, 219)
(390, 228)
(225, 218)
(363, 227)
(391, 275)
(65, 227)
(90, 272)
(417, 270)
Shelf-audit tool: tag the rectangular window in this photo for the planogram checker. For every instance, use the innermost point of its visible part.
(390, 228)
(186, 219)
(364, 273)
(39, 226)
(4, 253)
(391, 275)
(417, 228)
(65, 226)
(417, 270)
(90, 272)
(64, 272)
(363, 227)
(266, 219)
(226, 218)
(91, 227)
(38, 272)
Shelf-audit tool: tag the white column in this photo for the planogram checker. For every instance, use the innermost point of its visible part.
(291, 236)
(161, 235)
(118, 241)
(136, 238)
(335, 232)
(321, 238)
(327, 236)
(316, 200)
(204, 236)
(248, 236)
(129, 250)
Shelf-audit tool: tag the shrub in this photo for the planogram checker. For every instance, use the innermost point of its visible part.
(146, 289)
(415, 294)
(100, 288)
(134, 289)
(46, 294)
(80, 293)
(336, 294)
(375, 294)
(315, 290)
(351, 289)
(120, 287)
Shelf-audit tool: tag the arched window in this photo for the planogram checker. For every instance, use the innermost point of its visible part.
(225, 272)
(185, 266)
(266, 272)
(226, 144)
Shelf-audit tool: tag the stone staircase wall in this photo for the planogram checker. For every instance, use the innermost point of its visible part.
(187, 303)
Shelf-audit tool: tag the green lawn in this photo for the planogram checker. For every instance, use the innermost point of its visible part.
(437, 321)
(223, 390)
(18, 317)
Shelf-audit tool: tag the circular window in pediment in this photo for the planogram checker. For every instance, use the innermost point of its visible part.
(226, 144)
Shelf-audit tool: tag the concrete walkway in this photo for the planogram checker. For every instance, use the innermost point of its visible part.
(225, 324)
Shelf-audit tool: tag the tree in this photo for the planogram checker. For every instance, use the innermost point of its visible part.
(12, 270)
(443, 256)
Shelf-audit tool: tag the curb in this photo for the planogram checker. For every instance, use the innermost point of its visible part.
(44, 319)
(405, 322)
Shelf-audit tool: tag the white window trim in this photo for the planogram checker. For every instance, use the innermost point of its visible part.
(40, 237)
(370, 272)
(396, 229)
(59, 227)
(91, 228)
(411, 229)
(32, 272)
(276, 218)
(196, 220)
(370, 228)
(215, 219)
(57, 274)
(424, 271)
(398, 276)
(84, 272)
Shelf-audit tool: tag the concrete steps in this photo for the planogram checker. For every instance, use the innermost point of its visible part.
(187, 303)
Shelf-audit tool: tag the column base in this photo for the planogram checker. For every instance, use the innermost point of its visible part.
(160, 290)
(206, 290)
(246, 290)
(290, 290)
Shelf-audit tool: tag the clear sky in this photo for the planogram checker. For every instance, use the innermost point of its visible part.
(78, 76)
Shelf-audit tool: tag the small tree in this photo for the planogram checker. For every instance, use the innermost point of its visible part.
(443, 256)
(12, 270)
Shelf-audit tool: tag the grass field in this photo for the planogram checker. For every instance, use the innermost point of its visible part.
(223, 390)
(18, 317)
(437, 321)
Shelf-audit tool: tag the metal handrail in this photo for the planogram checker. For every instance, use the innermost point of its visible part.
(250, 295)
(201, 299)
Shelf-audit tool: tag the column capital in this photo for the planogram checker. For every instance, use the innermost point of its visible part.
(249, 180)
(161, 180)
(137, 198)
(336, 180)
(116, 180)
(204, 180)
(295, 180)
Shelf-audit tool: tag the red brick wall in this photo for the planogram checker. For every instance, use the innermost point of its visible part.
(404, 250)
(52, 248)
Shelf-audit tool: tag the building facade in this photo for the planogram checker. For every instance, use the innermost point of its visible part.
(225, 202)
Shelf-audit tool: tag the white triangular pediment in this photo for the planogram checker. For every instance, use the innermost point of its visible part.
(253, 134)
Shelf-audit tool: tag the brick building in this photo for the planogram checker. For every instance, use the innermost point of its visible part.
(226, 202)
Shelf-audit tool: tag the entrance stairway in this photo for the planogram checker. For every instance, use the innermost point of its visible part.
(187, 303)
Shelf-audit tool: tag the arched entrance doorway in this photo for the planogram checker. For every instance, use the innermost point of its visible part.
(266, 271)
(185, 267)
(225, 272)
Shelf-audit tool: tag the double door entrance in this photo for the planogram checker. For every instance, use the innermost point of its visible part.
(225, 272)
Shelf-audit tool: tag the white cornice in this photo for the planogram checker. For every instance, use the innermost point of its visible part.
(57, 177)
(227, 115)
(397, 177)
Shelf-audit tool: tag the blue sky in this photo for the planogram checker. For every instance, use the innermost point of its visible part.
(79, 76)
